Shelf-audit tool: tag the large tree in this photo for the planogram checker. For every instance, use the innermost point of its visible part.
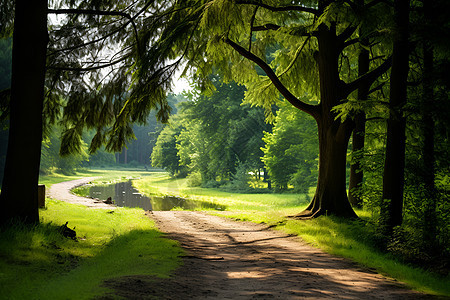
(310, 45)
(66, 60)
(25, 129)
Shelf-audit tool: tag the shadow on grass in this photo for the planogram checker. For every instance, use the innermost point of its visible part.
(39, 263)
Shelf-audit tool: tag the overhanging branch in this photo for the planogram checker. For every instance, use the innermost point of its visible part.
(281, 8)
(266, 27)
(308, 108)
(100, 13)
(93, 68)
(89, 12)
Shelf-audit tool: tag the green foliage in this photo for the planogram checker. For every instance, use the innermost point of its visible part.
(165, 153)
(51, 159)
(291, 150)
(210, 135)
(239, 181)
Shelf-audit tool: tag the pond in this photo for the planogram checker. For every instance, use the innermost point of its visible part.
(125, 195)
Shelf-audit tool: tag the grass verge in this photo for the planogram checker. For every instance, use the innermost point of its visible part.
(39, 263)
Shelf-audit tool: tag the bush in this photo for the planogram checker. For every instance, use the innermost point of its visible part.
(194, 179)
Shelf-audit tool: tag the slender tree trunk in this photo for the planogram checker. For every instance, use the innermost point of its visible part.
(19, 198)
(331, 194)
(356, 174)
(429, 133)
(393, 179)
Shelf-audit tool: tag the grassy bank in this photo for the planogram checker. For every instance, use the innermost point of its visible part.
(350, 239)
(39, 263)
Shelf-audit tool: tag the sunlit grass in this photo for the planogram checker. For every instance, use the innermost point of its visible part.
(39, 263)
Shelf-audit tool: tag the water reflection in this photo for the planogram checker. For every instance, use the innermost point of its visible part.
(125, 195)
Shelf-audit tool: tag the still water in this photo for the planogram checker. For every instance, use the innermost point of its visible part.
(125, 195)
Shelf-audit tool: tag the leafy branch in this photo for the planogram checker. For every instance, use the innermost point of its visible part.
(308, 108)
(282, 8)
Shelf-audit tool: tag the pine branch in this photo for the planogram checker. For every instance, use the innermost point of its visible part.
(266, 27)
(90, 42)
(375, 2)
(368, 78)
(103, 13)
(307, 108)
(93, 68)
(281, 8)
(88, 12)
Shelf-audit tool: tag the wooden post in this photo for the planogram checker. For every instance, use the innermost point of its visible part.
(41, 195)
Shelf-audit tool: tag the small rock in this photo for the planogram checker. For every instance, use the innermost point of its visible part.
(109, 201)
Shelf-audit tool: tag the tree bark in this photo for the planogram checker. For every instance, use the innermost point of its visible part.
(331, 195)
(19, 197)
(393, 179)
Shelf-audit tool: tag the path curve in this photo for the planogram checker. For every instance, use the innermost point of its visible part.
(226, 259)
(61, 191)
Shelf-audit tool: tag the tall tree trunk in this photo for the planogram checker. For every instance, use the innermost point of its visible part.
(393, 179)
(331, 194)
(19, 198)
(356, 174)
(429, 132)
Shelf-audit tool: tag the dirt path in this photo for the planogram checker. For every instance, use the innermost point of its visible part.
(226, 259)
(61, 191)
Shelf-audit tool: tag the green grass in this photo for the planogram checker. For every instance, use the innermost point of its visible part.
(39, 263)
(350, 239)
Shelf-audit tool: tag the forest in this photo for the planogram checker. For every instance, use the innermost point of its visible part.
(345, 98)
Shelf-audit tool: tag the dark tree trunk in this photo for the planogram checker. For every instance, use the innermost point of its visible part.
(429, 163)
(331, 194)
(356, 174)
(393, 179)
(19, 198)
